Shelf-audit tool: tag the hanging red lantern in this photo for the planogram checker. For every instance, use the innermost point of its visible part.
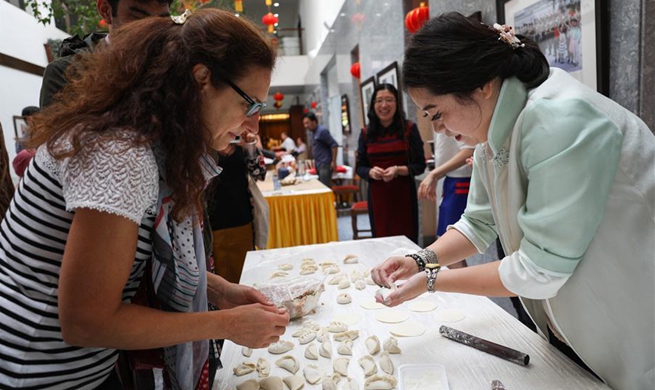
(355, 70)
(314, 104)
(102, 24)
(269, 19)
(278, 96)
(306, 110)
(417, 17)
(358, 19)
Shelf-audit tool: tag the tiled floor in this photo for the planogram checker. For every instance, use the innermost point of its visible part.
(344, 224)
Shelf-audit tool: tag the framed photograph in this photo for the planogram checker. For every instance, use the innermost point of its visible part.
(571, 34)
(389, 75)
(20, 127)
(345, 115)
(366, 90)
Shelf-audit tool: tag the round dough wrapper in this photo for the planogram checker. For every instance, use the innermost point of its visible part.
(371, 305)
(392, 316)
(450, 315)
(422, 306)
(408, 329)
(349, 319)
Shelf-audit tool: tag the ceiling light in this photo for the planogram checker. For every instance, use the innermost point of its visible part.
(237, 15)
(342, 14)
(277, 15)
(276, 24)
(276, 4)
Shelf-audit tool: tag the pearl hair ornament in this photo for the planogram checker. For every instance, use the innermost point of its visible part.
(507, 35)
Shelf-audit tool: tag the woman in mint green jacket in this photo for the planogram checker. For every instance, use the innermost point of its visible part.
(562, 175)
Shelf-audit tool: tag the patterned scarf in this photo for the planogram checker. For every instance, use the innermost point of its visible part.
(179, 276)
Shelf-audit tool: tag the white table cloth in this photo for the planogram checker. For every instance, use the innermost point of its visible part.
(466, 368)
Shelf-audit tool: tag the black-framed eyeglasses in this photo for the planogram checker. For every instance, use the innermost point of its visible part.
(255, 107)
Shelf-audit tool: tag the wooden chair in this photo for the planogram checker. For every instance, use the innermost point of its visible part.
(349, 191)
(356, 209)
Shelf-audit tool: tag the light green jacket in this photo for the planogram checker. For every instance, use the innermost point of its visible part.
(567, 181)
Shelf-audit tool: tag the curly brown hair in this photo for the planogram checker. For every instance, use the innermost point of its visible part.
(143, 81)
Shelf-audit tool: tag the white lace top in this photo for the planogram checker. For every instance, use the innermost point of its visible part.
(109, 176)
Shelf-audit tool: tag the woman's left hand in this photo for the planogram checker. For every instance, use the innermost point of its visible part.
(233, 295)
(415, 286)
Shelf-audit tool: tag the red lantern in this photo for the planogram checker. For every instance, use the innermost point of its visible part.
(358, 19)
(314, 104)
(417, 17)
(355, 70)
(306, 110)
(269, 19)
(102, 24)
(278, 96)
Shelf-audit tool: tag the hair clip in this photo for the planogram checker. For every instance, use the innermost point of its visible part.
(181, 18)
(507, 35)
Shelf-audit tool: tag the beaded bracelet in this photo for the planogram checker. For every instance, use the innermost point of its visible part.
(419, 261)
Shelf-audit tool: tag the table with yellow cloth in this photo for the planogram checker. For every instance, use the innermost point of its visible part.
(300, 214)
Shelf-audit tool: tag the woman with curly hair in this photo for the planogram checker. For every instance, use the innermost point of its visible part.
(116, 185)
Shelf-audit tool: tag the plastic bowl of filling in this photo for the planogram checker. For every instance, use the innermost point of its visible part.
(422, 377)
(299, 295)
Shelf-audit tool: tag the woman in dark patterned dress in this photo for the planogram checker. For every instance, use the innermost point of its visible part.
(389, 155)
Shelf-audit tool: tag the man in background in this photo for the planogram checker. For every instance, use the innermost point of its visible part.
(324, 149)
(287, 143)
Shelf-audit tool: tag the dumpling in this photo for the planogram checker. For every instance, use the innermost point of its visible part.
(368, 365)
(285, 267)
(347, 384)
(313, 374)
(246, 351)
(271, 383)
(385, 363)
(380, 382)
(295, 382)
(307, 337)
(351, 259)
(250, 384)
(326, 349)
(347, 335)
(360, 284)
(337, 327)
(279, 274)
(340, 366)
(345, 348)
(373, 344)
(337, 279)
(344, 283)
(263, 367)
(322, 335)
(311, 352)
(243, 369)
(282, 346)
(289, 363)
(344, 299)
(391, 345)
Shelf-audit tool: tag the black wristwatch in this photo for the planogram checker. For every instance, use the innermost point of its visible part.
(432, 270)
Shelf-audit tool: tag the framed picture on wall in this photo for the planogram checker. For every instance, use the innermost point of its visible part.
(366, 92)
(571, 34)
(345, 115)
(389, 75)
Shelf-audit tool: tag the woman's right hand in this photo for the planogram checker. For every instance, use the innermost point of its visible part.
(376, 173)
(257, 325)
(394, 268)
(428, 188)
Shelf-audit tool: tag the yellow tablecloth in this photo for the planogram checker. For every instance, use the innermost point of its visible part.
(301, 214)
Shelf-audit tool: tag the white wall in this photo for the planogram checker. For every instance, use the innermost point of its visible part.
(23, 38)
(314, 15)
(290, 71)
